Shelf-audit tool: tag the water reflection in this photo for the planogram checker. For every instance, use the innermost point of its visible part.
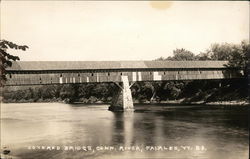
(124, 128)
(222, 131)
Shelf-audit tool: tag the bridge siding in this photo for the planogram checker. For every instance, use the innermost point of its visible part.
(54, 78)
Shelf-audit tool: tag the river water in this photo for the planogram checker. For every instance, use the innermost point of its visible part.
(65, 131)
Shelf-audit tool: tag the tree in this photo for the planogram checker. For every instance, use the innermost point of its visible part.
(204, 56)
(179, 55)
(183, 55)
(160, 59)
(6, 58)
(220, 51)
(237, 55)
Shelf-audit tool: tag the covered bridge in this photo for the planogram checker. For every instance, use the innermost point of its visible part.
(59, 72)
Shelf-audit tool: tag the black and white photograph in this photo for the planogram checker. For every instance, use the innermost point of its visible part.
(124, 79)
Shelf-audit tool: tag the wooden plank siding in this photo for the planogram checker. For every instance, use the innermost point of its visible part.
(60, 72)
(28, 78)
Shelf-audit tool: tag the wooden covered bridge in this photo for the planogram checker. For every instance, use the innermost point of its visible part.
(125, 72)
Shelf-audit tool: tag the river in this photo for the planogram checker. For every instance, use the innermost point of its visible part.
(65, 131)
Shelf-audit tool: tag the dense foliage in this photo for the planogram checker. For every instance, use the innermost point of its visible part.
(186, 92)
(86, 93)
(237, 54)
(6, 58)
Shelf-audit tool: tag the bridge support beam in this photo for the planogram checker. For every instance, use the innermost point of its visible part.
(122, 99)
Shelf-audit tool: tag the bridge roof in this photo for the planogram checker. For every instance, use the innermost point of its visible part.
(104, 65)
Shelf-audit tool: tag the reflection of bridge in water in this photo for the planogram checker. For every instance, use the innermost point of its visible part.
(123, 73)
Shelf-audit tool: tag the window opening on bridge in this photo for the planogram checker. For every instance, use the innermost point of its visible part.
(150, 73)
(78, 74)
(60, 75)
(164, 73)
(92, 74)
(10, 76)
(108, 74)
(121, 73)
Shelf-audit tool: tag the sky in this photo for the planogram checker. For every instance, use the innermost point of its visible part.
(120, 30)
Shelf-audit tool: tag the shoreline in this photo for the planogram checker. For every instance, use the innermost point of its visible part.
(173, 102)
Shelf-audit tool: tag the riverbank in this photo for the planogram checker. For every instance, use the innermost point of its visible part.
(170, 102)
(180, 102)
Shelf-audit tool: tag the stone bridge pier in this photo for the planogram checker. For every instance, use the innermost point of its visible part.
(122, 98)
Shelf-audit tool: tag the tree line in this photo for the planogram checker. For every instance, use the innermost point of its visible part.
(237, 55)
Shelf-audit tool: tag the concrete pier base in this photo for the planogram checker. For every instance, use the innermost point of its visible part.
(122, 99)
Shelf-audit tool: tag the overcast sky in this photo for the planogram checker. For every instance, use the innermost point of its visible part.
(120, 30)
